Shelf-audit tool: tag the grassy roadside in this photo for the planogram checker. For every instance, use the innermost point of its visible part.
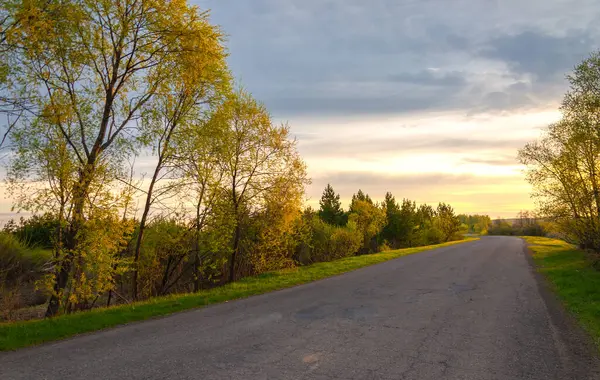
(571, 276)
(21, 334)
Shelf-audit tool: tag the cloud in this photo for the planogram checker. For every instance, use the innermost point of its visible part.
(352, 146)
(345, 57)
(502, 160)
(361, 71)
(429, 78)
(512, 97)
(537, 64)
(546, 57)
(310, 102)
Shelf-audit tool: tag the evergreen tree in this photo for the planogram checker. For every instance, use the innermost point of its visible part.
(359, 196)
(408, 223)
(390, 231)
(331, 211)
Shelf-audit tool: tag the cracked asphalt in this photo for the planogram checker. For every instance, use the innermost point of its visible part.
(472, 311)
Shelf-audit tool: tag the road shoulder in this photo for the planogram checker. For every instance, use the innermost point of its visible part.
(577, 341)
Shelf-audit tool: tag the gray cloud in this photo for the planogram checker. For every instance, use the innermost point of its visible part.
(512, 97)
(429, 78)
(544, 56)
(344, 57)
(340, 104)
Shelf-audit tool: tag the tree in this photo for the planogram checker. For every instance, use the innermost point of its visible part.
(391, 230)
(92, 67)
(360, 196)
(425, 232)
(447, 222)
(562, 166)
(11, 106)
(369, 220)
(274, 242)
(331, 208)
(257, 156)
(172, 114)
(408, 223)
(477, 224)
(202, 175)
(482, 224)
(400, 226)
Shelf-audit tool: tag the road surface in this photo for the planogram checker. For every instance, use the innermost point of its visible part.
(470, 311)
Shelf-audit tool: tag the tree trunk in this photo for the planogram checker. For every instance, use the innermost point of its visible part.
(53, 304)
(157, 169)
(140, 237)
(110, 293)
(165, 278)
(197, 244)
(64, 267)
(62, 277)
(197, 279)
(236, 245)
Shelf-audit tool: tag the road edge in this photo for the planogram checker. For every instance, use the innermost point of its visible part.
(572, 339)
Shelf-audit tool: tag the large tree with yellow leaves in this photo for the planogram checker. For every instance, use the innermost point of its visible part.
(91, 69)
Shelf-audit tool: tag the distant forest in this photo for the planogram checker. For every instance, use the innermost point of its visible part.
(526, 223)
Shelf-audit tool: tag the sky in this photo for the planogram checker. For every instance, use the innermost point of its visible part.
(428, 99)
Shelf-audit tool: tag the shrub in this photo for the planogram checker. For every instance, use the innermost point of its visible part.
(166, 251)
(325, 242)
(20, 267)
(345, 241)
(36, 231)
(18, 263)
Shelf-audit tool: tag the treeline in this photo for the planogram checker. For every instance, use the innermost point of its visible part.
(90, 88)
(388, 225)
(268, 240)
(475, 224)
(563, 165)
(525, 224)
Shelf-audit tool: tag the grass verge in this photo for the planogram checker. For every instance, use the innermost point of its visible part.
(21, 334)
(571, 275)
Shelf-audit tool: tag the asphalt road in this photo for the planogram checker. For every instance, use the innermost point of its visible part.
(470, 311)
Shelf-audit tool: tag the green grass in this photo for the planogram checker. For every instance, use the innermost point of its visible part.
(21, 334)
(572, 277)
